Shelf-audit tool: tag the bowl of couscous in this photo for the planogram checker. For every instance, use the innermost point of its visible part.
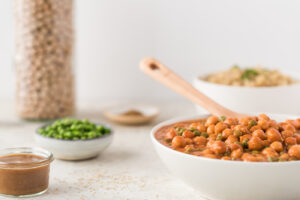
(253, 89)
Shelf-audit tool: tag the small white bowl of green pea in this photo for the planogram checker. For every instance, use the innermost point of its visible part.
(73, 139)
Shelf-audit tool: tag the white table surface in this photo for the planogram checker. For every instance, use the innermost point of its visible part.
(128, 170)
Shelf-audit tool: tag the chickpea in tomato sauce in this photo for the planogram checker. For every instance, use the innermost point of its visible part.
(252, 138)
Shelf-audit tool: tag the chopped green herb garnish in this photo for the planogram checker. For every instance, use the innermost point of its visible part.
(249, 73)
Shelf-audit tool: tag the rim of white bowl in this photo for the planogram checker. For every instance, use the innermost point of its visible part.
(293, 75)
(79, 140)
(186, 118)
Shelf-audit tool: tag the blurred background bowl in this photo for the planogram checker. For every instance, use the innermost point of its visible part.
(277, 99)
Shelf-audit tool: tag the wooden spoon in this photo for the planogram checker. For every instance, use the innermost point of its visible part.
(164, 75)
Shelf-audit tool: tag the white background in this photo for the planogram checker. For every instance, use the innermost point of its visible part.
(190, 36)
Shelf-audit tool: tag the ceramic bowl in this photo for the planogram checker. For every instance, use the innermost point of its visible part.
(232, 180)
(277, 99)
(74, 149)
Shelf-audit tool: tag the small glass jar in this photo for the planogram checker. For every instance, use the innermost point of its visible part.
(24, 172)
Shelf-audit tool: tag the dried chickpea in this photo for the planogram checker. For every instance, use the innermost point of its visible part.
(194, 125)
(188, 140)
(231, 121)
(227, 132)
(290, 141)
(218, 147)
(266, 143)
(188, 134)
(277, 146)
(212, 137)
(231, 139)
(255, 143)
(225, 158)
(245, 120)
(273, 124)
(241, 128)
(171, 134)
(287, 133)
(294, 151)
(284, 157)
(200, 140)
(211, 156)
(212, 120)
(211, 129)
(297, 123)
(220, 127)
(245, 137)
(207, 151)
(269, 152)
(178, 141)
(273, 135)
(236, 154)
(248, 157)
(201, 128)
(235, 146)
(197, 153)
(259, 133)
(263, 116)
(264, 124)
(210, 143)
(289, 127)
(254, 128)
(297, 136)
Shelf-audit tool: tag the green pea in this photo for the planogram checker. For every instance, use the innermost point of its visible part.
(222, 119)
(197, 133)
(245, 143)
(205, 135)
(252, 123)
(219, 136)
(272, 159)
(237, 133)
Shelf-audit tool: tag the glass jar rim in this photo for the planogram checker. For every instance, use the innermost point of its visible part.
(46, 155)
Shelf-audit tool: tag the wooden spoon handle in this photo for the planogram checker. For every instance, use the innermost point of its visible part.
(164, 75)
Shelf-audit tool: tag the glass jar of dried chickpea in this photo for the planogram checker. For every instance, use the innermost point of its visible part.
(43, 58)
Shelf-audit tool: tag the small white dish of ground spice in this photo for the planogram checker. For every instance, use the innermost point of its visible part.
(132, 114)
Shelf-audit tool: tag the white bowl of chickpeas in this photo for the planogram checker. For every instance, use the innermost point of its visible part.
(249, 90)
(230, 159)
